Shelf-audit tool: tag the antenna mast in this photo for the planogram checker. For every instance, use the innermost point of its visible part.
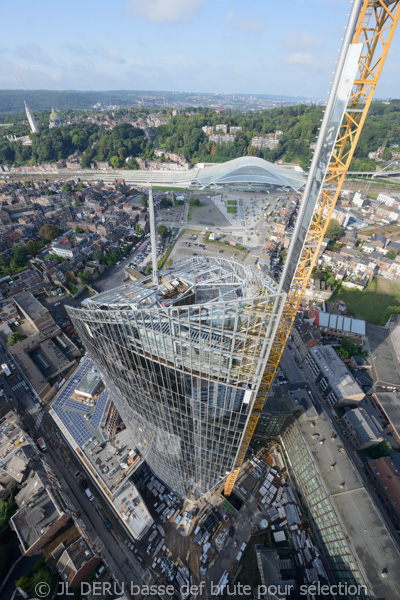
(153, 237)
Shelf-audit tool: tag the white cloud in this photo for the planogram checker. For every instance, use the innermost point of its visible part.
(76, 48)
(111, 54)
(245, 22)
(299, 58)
(165, 11)
(301, 40)
(33, 53)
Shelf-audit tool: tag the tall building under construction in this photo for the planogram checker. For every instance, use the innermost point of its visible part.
(184, 358)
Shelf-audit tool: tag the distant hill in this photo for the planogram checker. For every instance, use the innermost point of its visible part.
(12, 101)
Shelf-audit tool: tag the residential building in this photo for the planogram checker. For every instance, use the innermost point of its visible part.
(358, 200)
(34, 311)
(385, 475)
(64, 249)
(77, 562)
(262, 142)
(361, 429)
(181, 363)
(386, 199)
(222, 138)
(43, 510)
(388, 404)
(304, 337)
(8, 313)
(335, 381)
(45, 358)
(16, 450)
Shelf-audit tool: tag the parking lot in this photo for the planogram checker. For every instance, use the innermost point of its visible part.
(191, 243)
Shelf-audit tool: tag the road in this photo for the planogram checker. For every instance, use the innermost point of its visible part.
(290, 368)
(115, 274)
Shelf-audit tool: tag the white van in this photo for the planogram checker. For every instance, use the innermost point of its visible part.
(89, 494)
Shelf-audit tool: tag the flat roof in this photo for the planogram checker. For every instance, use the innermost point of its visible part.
(132, 510)
(25, 352)
(30, 305)
(81, 421)
(368, 536)
(390, 402)
(89, 384)
(385, 364)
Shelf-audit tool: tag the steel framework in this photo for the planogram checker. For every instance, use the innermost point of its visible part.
(376, 24)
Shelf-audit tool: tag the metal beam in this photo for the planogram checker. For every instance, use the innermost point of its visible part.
(374, 28)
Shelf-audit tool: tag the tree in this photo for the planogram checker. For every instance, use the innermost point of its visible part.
(144, 202)
(85, 277)
(111, 258)
(7, 509)
(98, 255)
(380, 450)
(162, 231)
(391, 254)
(391, 310)
(165, 203)
(33, 247)
(333, 231)
(19, 256)
(79, 230)
(15, 337)
(194, 202)
(387, 155)
(66, 188)
(49, 232)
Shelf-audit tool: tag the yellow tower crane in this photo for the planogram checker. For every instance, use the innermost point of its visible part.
(369, 33)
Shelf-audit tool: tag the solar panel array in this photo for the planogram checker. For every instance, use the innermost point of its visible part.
(71, 412)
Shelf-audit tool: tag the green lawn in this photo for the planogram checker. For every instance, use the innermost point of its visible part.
(371, 303)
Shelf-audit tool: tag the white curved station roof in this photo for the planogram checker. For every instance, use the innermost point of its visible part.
(245, 171)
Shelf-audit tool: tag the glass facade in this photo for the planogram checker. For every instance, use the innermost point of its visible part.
(184, 360)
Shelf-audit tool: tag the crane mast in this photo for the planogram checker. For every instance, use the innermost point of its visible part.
(367, 40)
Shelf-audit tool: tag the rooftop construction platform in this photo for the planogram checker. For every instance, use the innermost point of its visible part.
(199, 280)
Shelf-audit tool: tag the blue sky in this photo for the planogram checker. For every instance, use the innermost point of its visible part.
(225, 46)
